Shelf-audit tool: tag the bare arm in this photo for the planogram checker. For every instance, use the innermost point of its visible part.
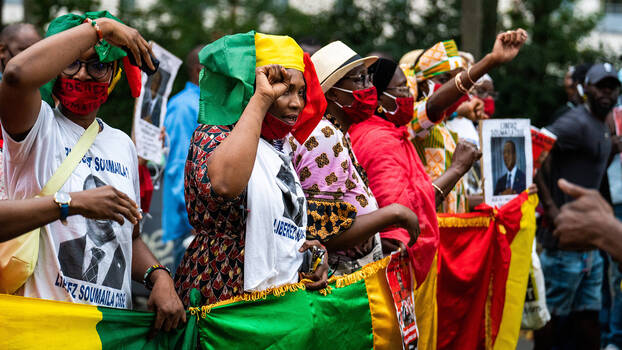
(231, 164)
(365, 226)
(551, 211)
(505, 49)
(16, 216)
(32, 68)
(163, 299)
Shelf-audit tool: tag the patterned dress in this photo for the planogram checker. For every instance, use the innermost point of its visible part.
(436, 150)
(214, 261)
(337, 191)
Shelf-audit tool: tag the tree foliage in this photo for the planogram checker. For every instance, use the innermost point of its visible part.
(530, 86)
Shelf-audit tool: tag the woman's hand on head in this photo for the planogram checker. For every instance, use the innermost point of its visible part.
(507, 45)
(271, 81)
(118, 34)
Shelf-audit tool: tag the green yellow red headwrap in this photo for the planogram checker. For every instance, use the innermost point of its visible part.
(105, 51)
(228, 77)
(440, 58)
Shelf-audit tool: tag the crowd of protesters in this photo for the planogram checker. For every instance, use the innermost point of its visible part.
(274, 152)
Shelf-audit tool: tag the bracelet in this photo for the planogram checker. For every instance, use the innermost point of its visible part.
(469, 76)
(439, 190)
(98, 30)
(146, 278)
(459, 86)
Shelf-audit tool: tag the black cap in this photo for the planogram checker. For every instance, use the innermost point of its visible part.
(599, 72)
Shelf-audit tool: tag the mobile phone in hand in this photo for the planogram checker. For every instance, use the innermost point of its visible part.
(144, 67)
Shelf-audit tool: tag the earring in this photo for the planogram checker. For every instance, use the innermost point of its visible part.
(380, 109)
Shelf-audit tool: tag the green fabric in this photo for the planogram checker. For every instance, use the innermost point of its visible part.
(227, 79)
(105, 51)
(300, 320)
(126, 329)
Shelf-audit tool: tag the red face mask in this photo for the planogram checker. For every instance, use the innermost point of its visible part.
(404, 111)
(80, 97)
(364, 104)
(489, 106)
(273, 128)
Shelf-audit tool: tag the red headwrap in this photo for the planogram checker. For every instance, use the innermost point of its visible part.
(315, 104)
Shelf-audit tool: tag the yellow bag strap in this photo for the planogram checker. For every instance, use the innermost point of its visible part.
(68, 165)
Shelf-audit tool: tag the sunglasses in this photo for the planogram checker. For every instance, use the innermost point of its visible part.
(95, 68)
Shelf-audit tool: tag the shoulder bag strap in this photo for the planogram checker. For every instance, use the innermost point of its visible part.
(71, 162)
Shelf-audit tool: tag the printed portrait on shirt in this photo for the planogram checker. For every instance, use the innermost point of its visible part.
(508, 165)
(96, 257)
(293, 201)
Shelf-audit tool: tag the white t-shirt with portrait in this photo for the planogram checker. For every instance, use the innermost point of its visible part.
(86, 261)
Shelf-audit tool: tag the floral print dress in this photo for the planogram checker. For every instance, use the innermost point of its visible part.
(214, 261)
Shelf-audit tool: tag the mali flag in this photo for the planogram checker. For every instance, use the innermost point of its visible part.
(356, 312)
(484, 260)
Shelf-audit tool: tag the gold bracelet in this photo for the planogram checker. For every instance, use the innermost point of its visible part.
(438, 189)
(469, 76)
(459, 86)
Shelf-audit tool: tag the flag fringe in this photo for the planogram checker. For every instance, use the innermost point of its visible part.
(279, 291)
(453, 221)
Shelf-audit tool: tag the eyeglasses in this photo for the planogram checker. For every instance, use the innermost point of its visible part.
(359, 79)
(399, 90)
(95, 68)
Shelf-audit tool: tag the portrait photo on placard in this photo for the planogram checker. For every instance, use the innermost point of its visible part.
(508, 165)
(507, 162)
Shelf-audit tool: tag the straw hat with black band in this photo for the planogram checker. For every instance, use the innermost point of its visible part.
(334, 61)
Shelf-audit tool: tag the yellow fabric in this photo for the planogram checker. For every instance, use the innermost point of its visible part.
(516, 285)
(278, 49)
(76, 323)
(18, 257)
(426, 309)
(115, 80)
(384, 321)
(440, 58)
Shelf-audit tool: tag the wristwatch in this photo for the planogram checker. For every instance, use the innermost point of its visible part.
(63, 199)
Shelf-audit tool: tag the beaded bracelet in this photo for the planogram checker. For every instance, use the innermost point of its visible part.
(146, 278)
(100, 35)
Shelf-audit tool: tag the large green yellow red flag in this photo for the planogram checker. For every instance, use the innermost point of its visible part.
(484, 260)
(356, 312)
(472, 299)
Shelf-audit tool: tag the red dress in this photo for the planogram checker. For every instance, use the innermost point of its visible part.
(396, 175)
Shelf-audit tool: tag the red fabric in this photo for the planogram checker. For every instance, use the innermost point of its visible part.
(315, 107)
(81, 97)
(146, 187)
(472, 260)
(396, 175)
(133, 75)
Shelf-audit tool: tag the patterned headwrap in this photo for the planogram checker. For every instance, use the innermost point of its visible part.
(440, 58)
(105, 51)
(228, 77)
